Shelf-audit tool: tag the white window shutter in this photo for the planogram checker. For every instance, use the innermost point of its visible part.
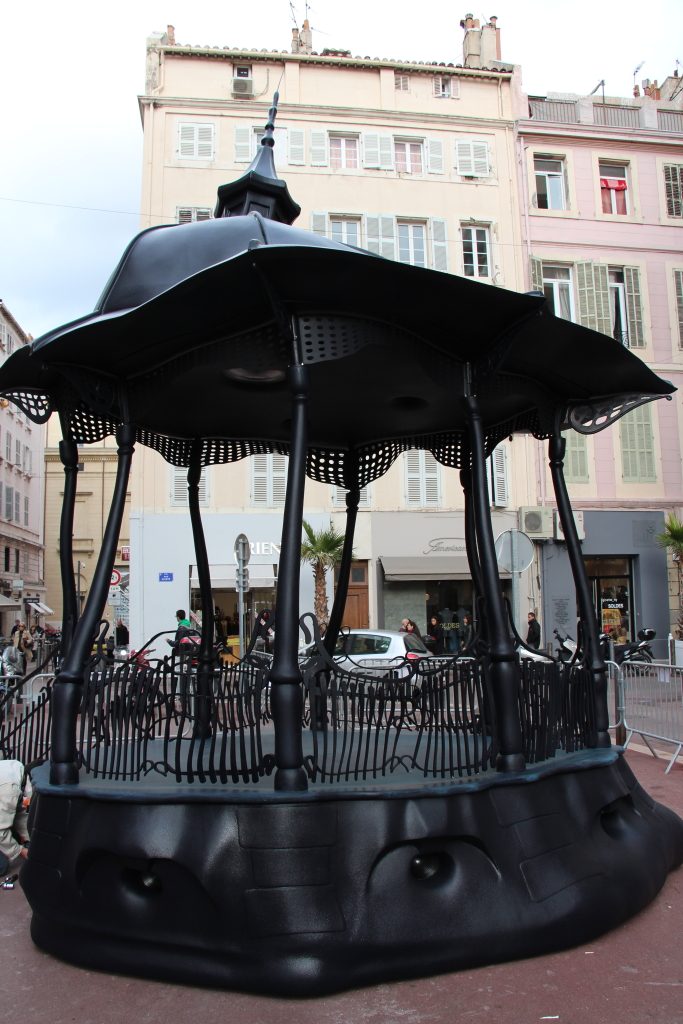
(179, 485)
(586, 292)
(480, 156)
(439, 244)
(279, 479)
(678, 284)
(205, 141)
(455, 88)
(636, 335)
(499, 476)
(339, 497)
(371, 149)
(436, 85)
(432, 493)
(388, 243)
(413, 479)
(603, 315)
(372, 242)
(319, 223)
(204, 487)
(386, 153)
(259, 480)
(464, 155)
(297, 146)
(536, 273)
(243, 138)
(187, 144)
(435, 159)
(318, 149)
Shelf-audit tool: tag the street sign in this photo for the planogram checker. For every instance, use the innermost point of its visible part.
(242, 548)
(115, 578)
(115, 598)
(514, 546)
(165, 577)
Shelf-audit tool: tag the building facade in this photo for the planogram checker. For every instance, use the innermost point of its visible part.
(22, 584)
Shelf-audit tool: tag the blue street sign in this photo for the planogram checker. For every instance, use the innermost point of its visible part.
(165, 577)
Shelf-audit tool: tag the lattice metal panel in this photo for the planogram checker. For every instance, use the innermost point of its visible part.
(35, 404)
(334, 337)
(328, 467)
(88, 428)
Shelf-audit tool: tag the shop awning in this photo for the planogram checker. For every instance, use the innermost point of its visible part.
(8, 602)
(44, 608)
(427, 567)
(34, 607)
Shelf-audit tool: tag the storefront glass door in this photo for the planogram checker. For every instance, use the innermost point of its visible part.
(611, 580)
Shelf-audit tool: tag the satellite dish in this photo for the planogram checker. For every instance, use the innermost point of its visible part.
(513, 544)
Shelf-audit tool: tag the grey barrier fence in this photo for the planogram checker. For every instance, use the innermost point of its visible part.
(647, 700)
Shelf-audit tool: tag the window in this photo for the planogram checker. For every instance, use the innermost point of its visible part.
(613, 188)
(7, 559)
(411, 244)
(673, 188)
(345, 230)
(402, 83)
(17, 507)
(26, 510)
(17, 453)
(28, 460)
(25, 565)
(179, 486)
(343, 153)
(498, 476)
(195, 141)
(10, 344)
(678, 283)
(9, 503)
(190, 214)
(3, 336)
(549, 184)
(339, 497)
(408, 157)
(557, 288)
(8, 446)
(473, 159)
(445, 87)
(575, 457)
(16, 560)
(475, 252)
(422, 480)
(268, 480)
(280, 149)
(243, 71)
(617, 304)
(637, 446)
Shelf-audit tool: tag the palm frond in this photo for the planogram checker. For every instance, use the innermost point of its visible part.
(322, 547)
(672, 535)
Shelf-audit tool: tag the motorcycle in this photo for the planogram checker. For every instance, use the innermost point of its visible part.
(567, 649)
(637, 651)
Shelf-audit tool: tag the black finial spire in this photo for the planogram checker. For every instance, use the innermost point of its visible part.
(259, 188)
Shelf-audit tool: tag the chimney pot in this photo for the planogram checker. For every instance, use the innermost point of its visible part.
(493, 19)
(170, 32)
(476, 22)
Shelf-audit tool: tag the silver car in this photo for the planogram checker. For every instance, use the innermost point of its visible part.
(374, 649)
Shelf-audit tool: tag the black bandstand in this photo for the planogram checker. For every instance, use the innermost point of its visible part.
(291, 827)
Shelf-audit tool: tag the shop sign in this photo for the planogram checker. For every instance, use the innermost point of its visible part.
(443, 545)
(125, 554)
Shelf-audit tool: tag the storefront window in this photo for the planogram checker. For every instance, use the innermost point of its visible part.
(612, 594)
(225, 609)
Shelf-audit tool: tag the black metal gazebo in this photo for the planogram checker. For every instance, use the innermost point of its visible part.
(296, 827)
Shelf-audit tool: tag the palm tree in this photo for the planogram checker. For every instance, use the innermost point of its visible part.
(322, 550)
(672, 539)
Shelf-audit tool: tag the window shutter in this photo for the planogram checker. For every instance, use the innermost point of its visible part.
(439, 245)
(26, 511)
(673, 188)
(499, 476)
(318, 149)
(436, 85)
(279, 479)
(17, 507)
(636, 334)
(203, 488)
(388, 243)
(371, 149)
(413, 479)
(586, 290)
(3, 335)
(465, 160)
(339, 497)
(243, 145)
(435, 161)
(637, 446)
(9, 502)
(455, 88)
(203, 214)
(678, 282)
(184, 215)
(480, 156)
(603, 316)
(386, 153)
(319, 224)
(259, 480)
(536, 273)
(297, 146)
(8, 446)
(187, 146)
(372, 242)
(432, 497)
(576, 457)
(179, 485)
(205, 141)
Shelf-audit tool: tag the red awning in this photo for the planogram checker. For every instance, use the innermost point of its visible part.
(618, 184)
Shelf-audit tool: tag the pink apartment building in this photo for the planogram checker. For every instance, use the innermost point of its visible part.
(601, 181)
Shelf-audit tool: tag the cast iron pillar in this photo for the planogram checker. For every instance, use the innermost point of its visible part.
(68, 453)
(335, 623)
(556, 449)
(68, 689)
(471, 536)
(504, 670)
(206, 654)
(285, 675)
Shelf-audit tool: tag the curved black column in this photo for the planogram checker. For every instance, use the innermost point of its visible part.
(206, 653)
(285, 675)
(471, 535)
(68, 453)
(68, 690)
(556, 449)
(335, 623)
(504, 670)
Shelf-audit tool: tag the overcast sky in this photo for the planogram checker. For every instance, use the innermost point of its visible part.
(70, 74)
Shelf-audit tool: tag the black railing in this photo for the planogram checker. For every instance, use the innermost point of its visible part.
(25, 729)
(557, 709)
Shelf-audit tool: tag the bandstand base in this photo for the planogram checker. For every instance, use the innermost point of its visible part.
(302, 894)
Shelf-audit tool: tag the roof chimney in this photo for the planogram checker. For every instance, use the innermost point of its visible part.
(480, 46)
(170, 32)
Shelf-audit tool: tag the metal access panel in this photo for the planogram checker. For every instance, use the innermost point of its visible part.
(536, 521)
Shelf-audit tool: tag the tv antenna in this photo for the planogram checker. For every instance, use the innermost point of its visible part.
(636, 72)
(601, 84)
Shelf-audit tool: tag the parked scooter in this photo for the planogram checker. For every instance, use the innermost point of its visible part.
(567, 649)
(638, 651)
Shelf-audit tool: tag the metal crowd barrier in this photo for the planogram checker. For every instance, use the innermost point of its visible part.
(647, 700)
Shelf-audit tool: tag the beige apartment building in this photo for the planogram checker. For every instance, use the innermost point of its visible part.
(414, 161)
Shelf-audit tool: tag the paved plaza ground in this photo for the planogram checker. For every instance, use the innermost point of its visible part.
(634, 974)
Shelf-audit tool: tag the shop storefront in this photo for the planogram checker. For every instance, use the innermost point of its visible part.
(612, 585)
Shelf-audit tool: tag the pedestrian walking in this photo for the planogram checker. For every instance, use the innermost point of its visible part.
(435, 631)
(121, 634)
(466, 632)
(23, 642)
(15, 795)
(533, 636)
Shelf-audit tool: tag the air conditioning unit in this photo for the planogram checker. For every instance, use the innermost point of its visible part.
(536, 521)
(242, 87)
(578, 519)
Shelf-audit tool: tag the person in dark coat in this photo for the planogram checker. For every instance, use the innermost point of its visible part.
(466, 632)
(121, 634)
(435, 631)
(533, 636)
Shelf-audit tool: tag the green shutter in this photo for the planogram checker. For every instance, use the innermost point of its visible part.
(586, 290)
(637, 446)
(576, 458)
(678, 280)
(603, 315)
(673, 187)
(536, 274)
(634, 306)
